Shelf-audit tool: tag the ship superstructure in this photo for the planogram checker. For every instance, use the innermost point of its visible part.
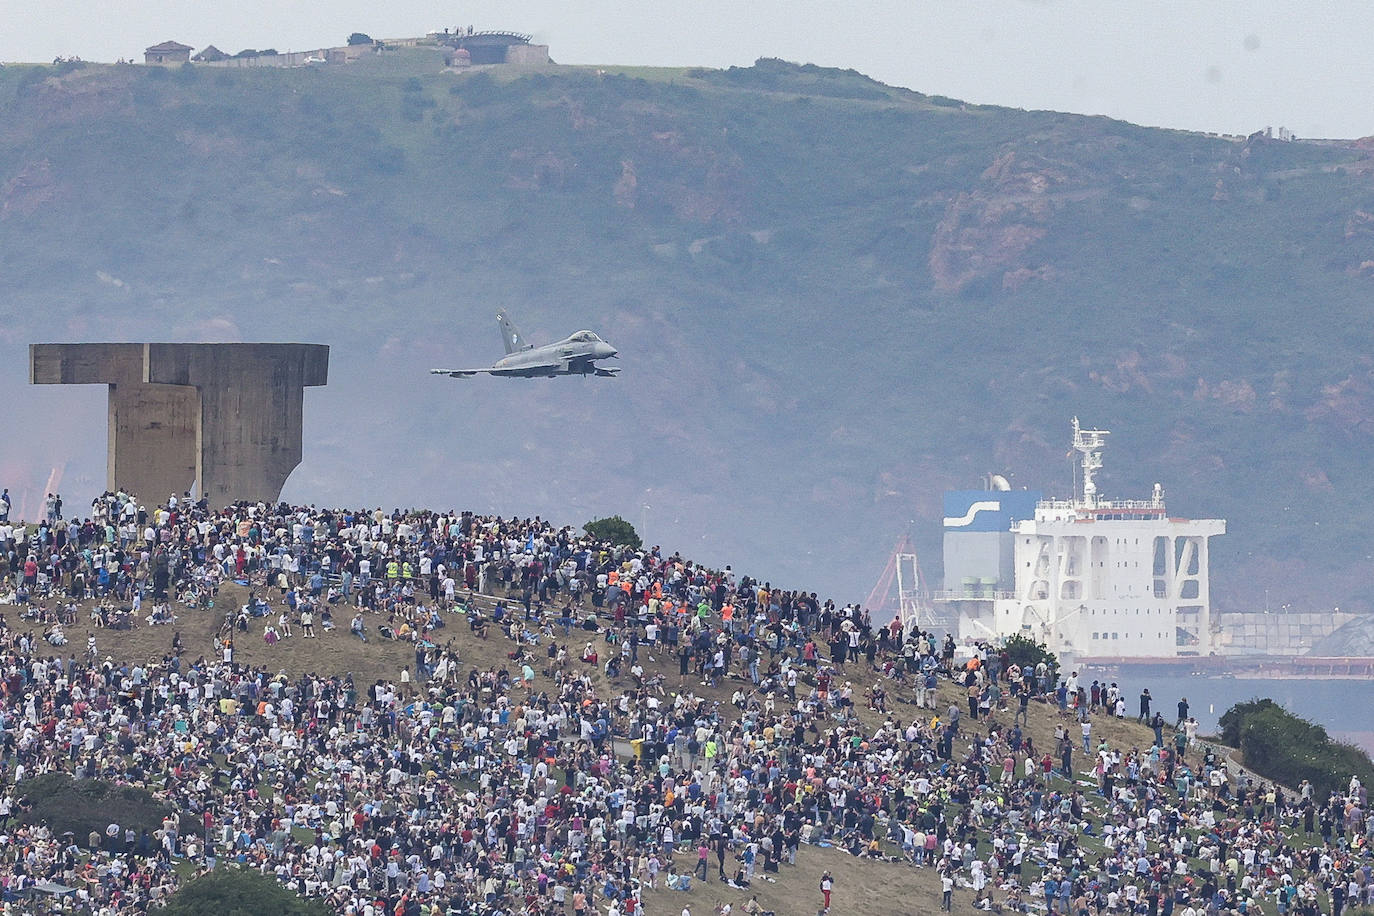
(1090, 577)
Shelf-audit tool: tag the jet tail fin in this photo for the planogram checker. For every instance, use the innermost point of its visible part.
(510, 335)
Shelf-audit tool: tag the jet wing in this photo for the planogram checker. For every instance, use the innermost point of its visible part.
(458, 373)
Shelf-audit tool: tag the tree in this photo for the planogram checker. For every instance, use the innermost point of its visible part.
(614, 529)
(1233, 721)
(1026, 652)
(1288, 749)
(238, 892)
(358, 38)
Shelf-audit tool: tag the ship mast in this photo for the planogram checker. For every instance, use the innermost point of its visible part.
(1089, 443)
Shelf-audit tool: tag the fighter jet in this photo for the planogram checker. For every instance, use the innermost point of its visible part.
(573, 355)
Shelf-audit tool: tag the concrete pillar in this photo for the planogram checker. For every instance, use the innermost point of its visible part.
(152, 428)
(227, 417)
(251, 410)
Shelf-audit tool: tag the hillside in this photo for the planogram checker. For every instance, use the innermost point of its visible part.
(885, 887)
(834, 299)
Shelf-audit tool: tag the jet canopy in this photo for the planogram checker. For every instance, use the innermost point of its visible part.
(585, 337)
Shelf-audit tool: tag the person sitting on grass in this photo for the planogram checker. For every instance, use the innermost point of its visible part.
(356, 627)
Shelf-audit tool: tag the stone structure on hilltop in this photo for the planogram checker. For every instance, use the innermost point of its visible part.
(227, 418)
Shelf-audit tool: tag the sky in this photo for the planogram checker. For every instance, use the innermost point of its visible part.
(1229, 67)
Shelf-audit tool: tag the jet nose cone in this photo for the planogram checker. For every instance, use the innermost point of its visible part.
(606, 350)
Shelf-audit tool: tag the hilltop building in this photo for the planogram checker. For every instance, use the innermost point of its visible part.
(462, 49)
(167, 54)
(493, 48)
(211, 55)
(1090, 577)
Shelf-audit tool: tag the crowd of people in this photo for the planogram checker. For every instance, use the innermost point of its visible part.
(653, 726)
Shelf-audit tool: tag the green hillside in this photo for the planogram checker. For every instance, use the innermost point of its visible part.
(834, 299)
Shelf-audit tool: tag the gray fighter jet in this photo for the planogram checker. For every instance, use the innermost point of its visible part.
(573, 355)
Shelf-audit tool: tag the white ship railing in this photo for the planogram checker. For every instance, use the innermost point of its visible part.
(1107, 504)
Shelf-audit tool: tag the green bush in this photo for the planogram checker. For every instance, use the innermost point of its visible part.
(239, 892)
(614, 529)
(1026, 652)
(1288, 749)
(83, 805)
(1234, 718)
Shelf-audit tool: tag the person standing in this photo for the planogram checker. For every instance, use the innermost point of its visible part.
(947, 891)
(1144, 706)
(827, 883)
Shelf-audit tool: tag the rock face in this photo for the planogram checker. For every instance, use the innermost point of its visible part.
(1355, 639)
(27, 192)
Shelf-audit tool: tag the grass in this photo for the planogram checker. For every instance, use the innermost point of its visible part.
(652, 74)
